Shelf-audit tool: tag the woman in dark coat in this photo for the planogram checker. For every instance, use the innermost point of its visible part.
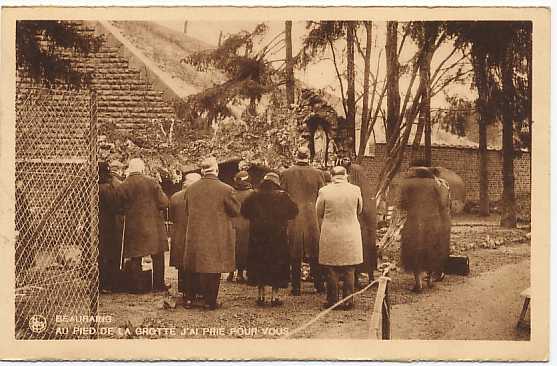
(241, 225)
(421, 197)
(269, 209)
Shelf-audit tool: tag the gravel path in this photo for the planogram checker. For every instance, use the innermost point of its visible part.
(457, 308)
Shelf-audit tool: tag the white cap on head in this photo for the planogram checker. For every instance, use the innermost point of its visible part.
(136, 165)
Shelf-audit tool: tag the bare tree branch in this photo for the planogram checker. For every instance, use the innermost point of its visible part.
(338, 75)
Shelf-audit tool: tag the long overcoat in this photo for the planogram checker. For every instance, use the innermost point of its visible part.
(367, 219)
(177, 215)
(422, 234)
(445, 196)
(142, 199)
(110, 229)
(268, 257)
(302, 182)
(338, 206)
(210, 236)
(241, 225)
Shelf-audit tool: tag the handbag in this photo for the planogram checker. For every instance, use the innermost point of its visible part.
(458, 264)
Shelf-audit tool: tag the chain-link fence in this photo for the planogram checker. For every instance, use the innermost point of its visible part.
(56, 213)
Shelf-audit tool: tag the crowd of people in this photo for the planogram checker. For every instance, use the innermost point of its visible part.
(262, 235)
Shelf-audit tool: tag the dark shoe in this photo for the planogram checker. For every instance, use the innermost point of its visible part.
(417, 289)
(440, 277)
(260, 302)
(105, 291)
(242, 279)
(295, 292)
(188, 304)
(230, 277)
(276, 302)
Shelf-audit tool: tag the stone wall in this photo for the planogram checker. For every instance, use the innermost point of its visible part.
(465, 162)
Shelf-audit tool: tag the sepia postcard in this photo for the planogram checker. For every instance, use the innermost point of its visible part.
(289, 183)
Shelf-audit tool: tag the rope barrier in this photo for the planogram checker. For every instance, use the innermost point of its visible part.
(385, 268)
(326, 311)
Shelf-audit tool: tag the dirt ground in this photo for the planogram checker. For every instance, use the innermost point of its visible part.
(483, 305)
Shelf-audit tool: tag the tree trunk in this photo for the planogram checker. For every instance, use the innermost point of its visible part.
(508, 210)
(220, 38)
(350, 89)
(417, 139)
(430, 34)
(481, 80)
(289, 63)
(186, 27)
(365, 106)
(393, 94)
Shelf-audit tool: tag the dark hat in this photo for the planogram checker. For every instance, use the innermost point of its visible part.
(241, 176)
(104, 168)
(272, 177)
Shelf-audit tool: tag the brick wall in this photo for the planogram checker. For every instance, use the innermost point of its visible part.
(465, 162)
(122, 96)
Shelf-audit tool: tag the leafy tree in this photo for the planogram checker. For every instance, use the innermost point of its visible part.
(249, 74)
(40, 45)
(501, 53)
(455, 118)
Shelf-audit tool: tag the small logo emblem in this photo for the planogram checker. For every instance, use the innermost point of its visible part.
(37, 323)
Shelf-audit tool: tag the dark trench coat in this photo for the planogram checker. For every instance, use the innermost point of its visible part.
(177, 215)
(210, 206)
(367, 219)
(241, 225)
(268, 257)
(141, 200)
(302, 182)
(423, 237)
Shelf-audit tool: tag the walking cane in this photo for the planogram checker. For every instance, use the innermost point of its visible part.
(122, 246)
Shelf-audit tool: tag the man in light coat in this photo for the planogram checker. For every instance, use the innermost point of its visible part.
(340, 243)
(209, 249)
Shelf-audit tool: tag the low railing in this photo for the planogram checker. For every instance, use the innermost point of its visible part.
(380, 323)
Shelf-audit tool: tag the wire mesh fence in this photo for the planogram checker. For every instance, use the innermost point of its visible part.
(56, 213)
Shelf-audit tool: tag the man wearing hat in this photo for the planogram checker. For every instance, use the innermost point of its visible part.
(116, 178)
(176, 214)
(116, 171)
(210, 236)
(340, 244)
(142, 201)
(303, 182)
